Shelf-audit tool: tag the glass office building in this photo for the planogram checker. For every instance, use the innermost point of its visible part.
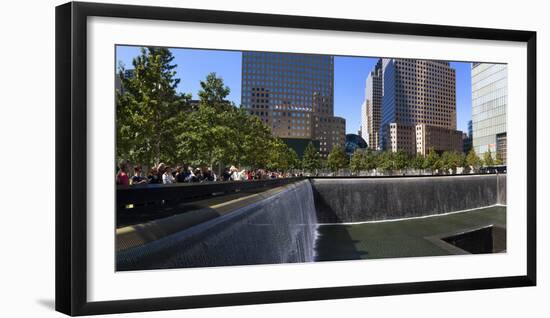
(489, 104)
(294, 95)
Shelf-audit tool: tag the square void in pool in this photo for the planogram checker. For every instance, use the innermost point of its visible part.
(489, 239)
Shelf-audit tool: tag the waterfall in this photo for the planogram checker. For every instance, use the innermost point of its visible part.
(277, 229)
(358, 200)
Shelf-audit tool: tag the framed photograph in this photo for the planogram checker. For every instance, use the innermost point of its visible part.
(209, 158)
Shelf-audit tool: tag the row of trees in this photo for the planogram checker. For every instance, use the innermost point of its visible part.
(157, 124)
(392, 161)
(400, 160)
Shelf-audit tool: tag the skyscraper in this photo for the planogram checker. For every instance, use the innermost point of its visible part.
(370, 109)
(489, 104)
(420, 94)
(294, 95)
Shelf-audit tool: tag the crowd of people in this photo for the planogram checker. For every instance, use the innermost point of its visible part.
(165, 174)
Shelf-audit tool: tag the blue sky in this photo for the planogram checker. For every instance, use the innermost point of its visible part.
(350, 74)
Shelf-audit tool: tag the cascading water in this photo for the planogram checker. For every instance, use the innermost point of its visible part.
(359, 200)
(278, 229)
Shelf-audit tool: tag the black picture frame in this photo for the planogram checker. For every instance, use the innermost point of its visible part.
(71, 281)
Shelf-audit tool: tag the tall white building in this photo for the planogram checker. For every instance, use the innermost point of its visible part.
(364, 122)
(370, 108)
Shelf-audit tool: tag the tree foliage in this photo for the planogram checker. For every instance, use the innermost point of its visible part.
(488, 159)
(385, 161)
(337, 159)
(370, 160)
(472, 160)
(357, 161)
(418, 162)
(207, 139)
(432, 160)
(401, 160)
(213, 92)
(311, 159)
(148, 108)
(282, 158)
(450, 160)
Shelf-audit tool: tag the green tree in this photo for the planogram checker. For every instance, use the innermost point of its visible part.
(459, 159)
(324, 164)
(446, 161)
(148, 109)
(282, 158)
(294, 162)
(450, 160)
(370, 160)
(214, 92)
(418, 162)
(337, 158)
(432, 160)
(256, 140)
(357, 161)
(488, 159)
(472, 160)
(311, 160)
(386, 161)
(206, 139)
(401, 159)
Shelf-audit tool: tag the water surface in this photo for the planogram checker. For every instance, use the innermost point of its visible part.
(402, 238)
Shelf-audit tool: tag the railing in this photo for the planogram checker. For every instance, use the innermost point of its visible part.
(140, 203)
(149, 193)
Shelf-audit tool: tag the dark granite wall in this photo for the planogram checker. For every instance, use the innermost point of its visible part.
(357, 200)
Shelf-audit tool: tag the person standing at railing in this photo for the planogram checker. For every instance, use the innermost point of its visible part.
(167, 177)
(233, 174)
(137, 178)
(236, 175)
(122, 175)
(181, 174)
(198, 175)
(208, 175)
(226, 175)
(153, 177)
(160, 171)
